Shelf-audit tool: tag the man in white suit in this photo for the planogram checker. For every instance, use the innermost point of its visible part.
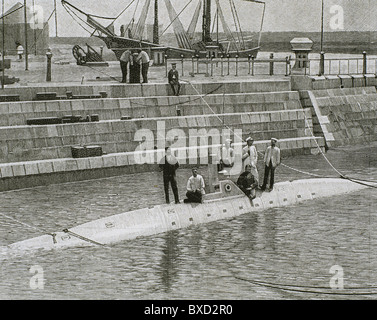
(250, 157)
(271, 161)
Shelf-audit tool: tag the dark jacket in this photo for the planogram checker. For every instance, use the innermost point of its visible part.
(246, 180)
(173, 76)
(169, 168)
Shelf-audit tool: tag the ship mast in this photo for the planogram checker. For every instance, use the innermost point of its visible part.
(206, 34)
(156, 38)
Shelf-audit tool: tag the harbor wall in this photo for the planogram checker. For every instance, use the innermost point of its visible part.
(344, 107)
(32, 155)
(29, 93)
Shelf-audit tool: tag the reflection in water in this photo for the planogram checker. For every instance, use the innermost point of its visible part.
(248, 232)
(169, 260)
(270, 230)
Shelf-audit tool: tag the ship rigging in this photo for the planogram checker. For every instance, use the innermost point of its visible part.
(212, 39)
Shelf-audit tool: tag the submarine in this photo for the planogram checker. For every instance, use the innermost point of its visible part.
(225, 202)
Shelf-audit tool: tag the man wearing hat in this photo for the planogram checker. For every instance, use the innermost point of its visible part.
(271, 161)
(227, 154)
(173, 78)
(250, 156)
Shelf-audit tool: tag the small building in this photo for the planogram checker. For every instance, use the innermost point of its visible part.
(38, 33)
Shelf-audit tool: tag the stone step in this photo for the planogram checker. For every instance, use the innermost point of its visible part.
(302, 145)
(111, 109)
(153, 89)
(19, 143)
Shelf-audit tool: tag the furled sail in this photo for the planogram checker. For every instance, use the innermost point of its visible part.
(232, 42)
(194, 22)
(138, 29)
(179, 31)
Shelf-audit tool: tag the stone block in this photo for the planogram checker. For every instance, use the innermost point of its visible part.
(292, 115)
(15, 107)
(255, 118)
(148, 90)
(65, 106)
(83, 164)
(58, 165)
(45, 166)
(4, 108)
(284, 115)
(15, 119)
(96, 162)
(31, 168)
(358, 80)
(121, 159)
(275, 116)
(18, 169)
(109, 161)
(6, 171)
(371, 80)
(40, 107)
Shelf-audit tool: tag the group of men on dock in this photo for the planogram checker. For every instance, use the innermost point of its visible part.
(134, 61)
(248, 181)
(140, 59)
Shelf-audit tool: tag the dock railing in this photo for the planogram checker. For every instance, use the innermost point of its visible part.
(343, 66)
(250, 66)
(231, 66)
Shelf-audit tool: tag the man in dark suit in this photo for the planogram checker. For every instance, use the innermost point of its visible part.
(173, 78)
(169, 164)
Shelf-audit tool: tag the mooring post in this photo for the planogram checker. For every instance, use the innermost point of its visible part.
(49, 56)
(222, 65)
(211, 60)
(193, 67)
(236, 65)
(249, 62)
(364, 63)
(322, 64)
(183, 73)
(228, 56)
(207, 58)
(287, 64)
(252, 65)
(271, 64)
(166, 65)
(197, 64)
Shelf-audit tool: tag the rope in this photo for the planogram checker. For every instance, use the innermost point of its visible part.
(53, 235)
(173, 20)
(83, 238)
(297, 288)
(103, 72)
(71, 13)
(341, 175)
(180, 103)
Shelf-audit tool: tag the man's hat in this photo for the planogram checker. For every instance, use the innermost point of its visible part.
(173, 64)
(249, 138)
(274, 139)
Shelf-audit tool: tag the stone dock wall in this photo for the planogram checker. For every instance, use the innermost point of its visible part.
(290, 109)
(344, 108)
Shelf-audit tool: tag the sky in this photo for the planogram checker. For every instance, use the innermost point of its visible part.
(280, 15)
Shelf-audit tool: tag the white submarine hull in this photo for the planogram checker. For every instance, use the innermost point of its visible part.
(228, 202)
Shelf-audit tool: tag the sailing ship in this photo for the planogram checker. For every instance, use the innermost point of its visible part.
(212, 42)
